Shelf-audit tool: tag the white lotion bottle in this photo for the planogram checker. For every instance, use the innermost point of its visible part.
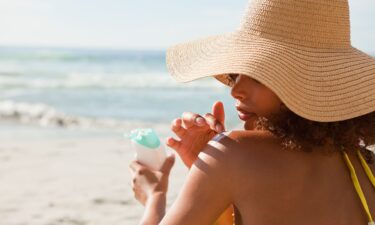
(149, 151)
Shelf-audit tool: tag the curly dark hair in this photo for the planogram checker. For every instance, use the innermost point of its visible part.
(300, 133)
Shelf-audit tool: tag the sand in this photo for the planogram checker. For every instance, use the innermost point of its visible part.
(69, 180)
(60, 176)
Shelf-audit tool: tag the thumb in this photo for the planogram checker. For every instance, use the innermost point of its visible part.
(168, 164)
(218, 112)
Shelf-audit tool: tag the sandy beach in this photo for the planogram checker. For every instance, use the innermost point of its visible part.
(71, 180)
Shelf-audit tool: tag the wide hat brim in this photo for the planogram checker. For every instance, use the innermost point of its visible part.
(319, 84)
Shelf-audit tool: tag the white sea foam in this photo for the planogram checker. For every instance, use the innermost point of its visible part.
(34, 113)
(105, 81)
(81, 82)
(44, 115)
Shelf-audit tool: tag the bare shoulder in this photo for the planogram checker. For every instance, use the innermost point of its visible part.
(257, 152)
(249, 142)
(244, 136)
(225, 150)
(246, 158)
(244, 146)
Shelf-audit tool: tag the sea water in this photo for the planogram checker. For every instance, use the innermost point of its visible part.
(74, 87)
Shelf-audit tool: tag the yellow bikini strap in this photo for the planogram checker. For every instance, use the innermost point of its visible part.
(367, 168)
(357, 186)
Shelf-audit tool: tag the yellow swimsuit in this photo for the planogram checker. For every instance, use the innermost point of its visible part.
(357, 186)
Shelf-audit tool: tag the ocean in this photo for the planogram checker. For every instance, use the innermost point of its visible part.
(99, 88)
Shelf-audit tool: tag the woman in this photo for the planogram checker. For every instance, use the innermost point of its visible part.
(308, 101)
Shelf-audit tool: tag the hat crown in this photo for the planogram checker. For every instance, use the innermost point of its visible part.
(311, 23)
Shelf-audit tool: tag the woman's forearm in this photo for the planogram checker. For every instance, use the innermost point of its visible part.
(155, 209)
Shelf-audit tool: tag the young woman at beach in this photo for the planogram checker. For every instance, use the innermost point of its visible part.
(308, 101)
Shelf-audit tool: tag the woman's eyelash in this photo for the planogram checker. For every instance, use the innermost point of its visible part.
(233, 77)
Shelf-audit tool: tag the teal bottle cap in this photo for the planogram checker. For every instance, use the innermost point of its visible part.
(146, 137)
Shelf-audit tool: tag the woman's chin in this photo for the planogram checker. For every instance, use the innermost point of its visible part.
(250, 124)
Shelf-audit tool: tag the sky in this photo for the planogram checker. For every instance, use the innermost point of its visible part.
(140, 24)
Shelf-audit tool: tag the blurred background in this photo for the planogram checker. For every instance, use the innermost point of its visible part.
(102, 63)
(76, 74)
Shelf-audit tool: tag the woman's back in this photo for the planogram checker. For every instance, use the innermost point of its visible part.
(276, 186)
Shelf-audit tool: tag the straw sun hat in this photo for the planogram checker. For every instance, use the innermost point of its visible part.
(300, 49)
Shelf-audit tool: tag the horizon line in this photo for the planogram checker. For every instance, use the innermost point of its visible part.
(103, 48)
(75, 47)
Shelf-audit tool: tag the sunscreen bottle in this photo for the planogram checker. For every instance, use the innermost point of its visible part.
(148, 149)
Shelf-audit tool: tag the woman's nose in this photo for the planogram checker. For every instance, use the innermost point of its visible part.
(237, 91)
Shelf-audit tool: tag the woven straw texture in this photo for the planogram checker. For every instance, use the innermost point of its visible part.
(300, 49)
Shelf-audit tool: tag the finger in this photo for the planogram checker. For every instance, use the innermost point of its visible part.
(137, 167)
(190, 119)
(213, 123)
(177, 128)
(173, 143)
(131, 182)
(218, 112)
(168, 164)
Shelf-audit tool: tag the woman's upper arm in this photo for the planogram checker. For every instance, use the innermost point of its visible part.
(207, 191)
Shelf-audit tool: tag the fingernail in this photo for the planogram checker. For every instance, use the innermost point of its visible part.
(219, 128)
(200, 120)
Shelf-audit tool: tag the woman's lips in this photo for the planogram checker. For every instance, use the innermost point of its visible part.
(246, 116)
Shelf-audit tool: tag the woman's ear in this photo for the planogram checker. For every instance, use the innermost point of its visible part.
(282, 107)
